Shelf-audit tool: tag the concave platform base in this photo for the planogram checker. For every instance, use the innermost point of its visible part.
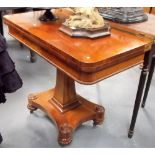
(67, 121)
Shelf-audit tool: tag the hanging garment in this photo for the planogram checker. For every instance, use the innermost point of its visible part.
(9, 78)
(1, 139)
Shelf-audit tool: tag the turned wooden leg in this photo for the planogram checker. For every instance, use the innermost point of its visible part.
(148, 83)
(143, 76)
(33, 56)
(21, 45)
(67, 109)
(99, 115)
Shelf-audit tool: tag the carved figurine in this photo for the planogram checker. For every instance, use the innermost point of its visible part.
(87, 18)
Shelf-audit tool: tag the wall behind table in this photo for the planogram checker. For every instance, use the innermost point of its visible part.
(149, 10)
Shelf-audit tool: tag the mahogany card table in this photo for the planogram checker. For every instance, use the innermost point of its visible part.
(143, 30)
(84, 60)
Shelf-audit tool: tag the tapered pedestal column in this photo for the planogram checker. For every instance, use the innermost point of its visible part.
(67, 109)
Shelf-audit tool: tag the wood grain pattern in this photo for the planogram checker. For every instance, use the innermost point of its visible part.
(67, 109)
(81, 77)
(153, 10)
(147, 9)
(84, 54)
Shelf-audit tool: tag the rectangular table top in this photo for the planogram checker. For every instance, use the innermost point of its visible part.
(88, 55)
(117, 48)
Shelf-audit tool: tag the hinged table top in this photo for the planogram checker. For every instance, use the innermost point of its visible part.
(83, 54)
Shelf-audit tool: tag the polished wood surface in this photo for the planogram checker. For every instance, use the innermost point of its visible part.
(81, 77)
(147, 9)
(67, 109)
(80, 54)
(83, 60)
(153, 10)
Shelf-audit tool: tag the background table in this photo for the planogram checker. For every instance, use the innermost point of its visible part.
(86, 61)
(143, 30)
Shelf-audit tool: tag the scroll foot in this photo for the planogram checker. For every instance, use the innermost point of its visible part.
(30, 105)
(99, 118)
(65, 134)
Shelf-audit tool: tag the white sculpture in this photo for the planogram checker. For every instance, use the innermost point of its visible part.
(87, 18)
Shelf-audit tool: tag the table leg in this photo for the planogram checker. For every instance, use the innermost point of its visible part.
(148, 82)
(33, 56)
(143, 76)
(21, 45)
(1, 23)
(67, 109)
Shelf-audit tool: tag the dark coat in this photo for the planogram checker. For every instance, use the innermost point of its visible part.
(1, 139)
(9, 78)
